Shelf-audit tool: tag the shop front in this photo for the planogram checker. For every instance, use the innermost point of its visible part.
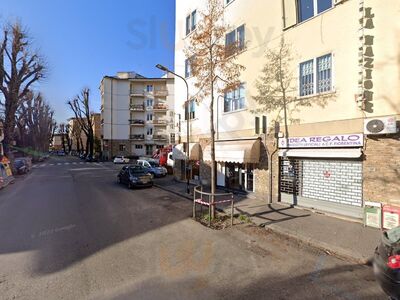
(236, 162)
(323, 172)
(192, 169)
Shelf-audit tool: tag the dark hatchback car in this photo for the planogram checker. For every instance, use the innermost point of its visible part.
(135, 176)
(387, 263)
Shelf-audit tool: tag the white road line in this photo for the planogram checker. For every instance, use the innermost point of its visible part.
(66, 163)
(59, 164)
(51, 164)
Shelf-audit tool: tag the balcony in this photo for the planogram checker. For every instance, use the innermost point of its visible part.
(160, 123)
(160, 93)
(138, 92)
(137, 137)
(137, 107)
(160, 138)
(137, 122)
(160, 107)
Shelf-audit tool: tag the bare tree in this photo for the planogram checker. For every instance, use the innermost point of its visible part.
(19, 69)
(35, 123)
(76, 133)
(277, 88)
(213, 65)
(80, 105)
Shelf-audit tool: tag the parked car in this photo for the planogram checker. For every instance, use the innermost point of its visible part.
(135, 176)
(21, 166)
(121, 160)
(153, 167)
(386, 263)
(61, 153)
(90, 158)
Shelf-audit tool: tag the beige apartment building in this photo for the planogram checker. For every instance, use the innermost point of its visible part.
(337, 156)
(137, 114)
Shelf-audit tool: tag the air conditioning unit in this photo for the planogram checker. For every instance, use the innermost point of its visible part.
(376, 126)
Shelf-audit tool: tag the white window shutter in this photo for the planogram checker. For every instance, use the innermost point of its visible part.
(289, 13)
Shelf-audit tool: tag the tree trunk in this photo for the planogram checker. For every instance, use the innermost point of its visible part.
(213, 169)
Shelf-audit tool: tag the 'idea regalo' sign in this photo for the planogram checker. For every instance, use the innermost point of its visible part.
(323, 141)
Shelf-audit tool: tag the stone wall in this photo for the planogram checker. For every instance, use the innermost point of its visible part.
(382, 169)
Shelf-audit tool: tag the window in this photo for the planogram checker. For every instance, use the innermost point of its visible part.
(122, 147)
(172, 138)
(188, 69)
(138, 147)
(297, 11)
(191, 22)
(324, 73)
(307, 78)
(149, 149)
(149, 102)
(228, 1)
(160, 146)
(309, 8)
(235, 100)
(149, 131)
(316, 76)
(235, 40)
(149, 88)
(149, 117)
(192, 110)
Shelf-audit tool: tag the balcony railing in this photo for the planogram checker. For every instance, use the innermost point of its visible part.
(160, 137)
(160, 107)
(160, 93)
(138, 92)
(137, 107)
(137, 122)
(160, 122)
(137, 137)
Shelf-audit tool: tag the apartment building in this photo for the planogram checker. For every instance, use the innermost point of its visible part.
(137, 115)
(336, 156)
(78, 142)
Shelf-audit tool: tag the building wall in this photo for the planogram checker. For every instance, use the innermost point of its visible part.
(335, 31)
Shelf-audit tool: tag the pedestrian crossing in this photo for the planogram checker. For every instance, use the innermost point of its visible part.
(43, 165)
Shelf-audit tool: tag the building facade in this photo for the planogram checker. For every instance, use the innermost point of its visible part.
(137, 115)
(341, 147)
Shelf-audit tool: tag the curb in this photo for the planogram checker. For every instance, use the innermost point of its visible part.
(338, 252)
(183, 195)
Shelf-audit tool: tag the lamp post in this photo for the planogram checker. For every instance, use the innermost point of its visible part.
(165, 69)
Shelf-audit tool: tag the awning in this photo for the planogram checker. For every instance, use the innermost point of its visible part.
(178, 153)
(322, 153)
(240, 151)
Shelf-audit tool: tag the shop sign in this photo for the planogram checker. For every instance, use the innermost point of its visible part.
(323, 141)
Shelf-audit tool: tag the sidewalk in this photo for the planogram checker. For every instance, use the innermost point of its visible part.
(346, 239)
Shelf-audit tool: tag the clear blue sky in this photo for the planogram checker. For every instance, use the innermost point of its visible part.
(83, 40)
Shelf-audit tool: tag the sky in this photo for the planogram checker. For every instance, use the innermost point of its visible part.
(84, 40)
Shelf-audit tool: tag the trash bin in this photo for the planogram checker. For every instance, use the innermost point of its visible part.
(373, 214)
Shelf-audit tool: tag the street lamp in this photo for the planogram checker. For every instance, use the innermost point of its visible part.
(165, 69)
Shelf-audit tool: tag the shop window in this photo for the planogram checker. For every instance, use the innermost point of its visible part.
(235, 100)
(122, 147)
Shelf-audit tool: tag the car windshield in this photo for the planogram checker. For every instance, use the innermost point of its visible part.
(136, 170)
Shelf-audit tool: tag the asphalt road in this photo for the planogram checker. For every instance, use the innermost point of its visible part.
(69, 231)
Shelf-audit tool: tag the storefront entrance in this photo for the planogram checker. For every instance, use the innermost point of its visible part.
(236, 176)
(326, 184)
